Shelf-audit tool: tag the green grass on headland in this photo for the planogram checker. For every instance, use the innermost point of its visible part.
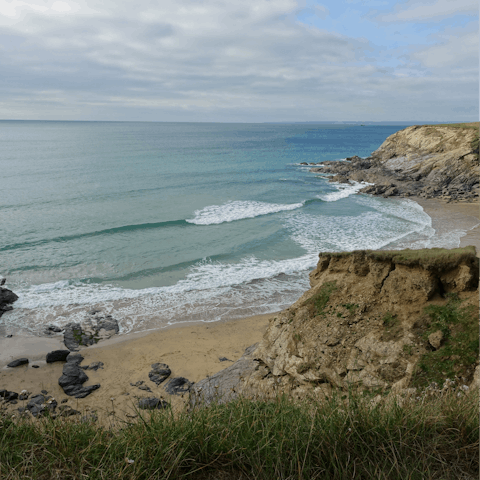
(458, 353)
(428, 437)
(427, 257)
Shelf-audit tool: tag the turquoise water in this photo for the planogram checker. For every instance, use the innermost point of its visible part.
(160, 223)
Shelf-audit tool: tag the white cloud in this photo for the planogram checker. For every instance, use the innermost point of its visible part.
(211, 60)
(458, 50)
(429, 10)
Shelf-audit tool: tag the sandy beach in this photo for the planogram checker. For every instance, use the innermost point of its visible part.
(192, 351)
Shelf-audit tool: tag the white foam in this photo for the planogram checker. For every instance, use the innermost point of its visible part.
(238, 210)
(343, 191)
(211, 291)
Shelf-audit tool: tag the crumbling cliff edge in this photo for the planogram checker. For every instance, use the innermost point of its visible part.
(429, 161)
(383, 321)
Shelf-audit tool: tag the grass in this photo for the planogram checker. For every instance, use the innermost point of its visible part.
(429, 258)
(320, 299)
(351, 438)
(459, 351)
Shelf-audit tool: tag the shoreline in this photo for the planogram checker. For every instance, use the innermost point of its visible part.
(457, 215)
(192, 350)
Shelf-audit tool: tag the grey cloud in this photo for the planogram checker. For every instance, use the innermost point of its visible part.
(186, 61)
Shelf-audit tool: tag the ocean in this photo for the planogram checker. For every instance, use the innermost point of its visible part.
(164, 223)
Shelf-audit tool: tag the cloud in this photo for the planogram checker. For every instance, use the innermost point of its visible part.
(429, 10)
(455, 50)
(203, 61)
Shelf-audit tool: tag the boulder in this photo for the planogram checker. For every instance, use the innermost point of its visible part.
(57, 356)
(73, 378)
(159, 373)
(8, 396)
(178, 386)
(38, 405)
(18, 362)
(7, 297)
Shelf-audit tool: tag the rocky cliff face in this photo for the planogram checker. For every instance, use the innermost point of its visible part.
(428, 161)
(372, 320)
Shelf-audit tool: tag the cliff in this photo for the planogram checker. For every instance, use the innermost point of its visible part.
(428, 161)
(376, 320)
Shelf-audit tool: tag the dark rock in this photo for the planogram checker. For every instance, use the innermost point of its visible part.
(88, 333)
(57, 356)
(7, 297)
(18, 362)
(95, 366)
(178, 386)
(65, 400)
(8, 396)
(9, 336)
(74, 377)
(152, 403)
(38, 405)
(35, 366)
(67, 411)
(94, 311)
(14, 402)
(225, 359)
(44, 392)
(159, 373)
(53, 329)
(303, 163)
(145, 388)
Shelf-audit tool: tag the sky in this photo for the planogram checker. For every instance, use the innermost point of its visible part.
(239, 61)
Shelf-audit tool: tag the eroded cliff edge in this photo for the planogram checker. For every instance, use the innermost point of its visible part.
(377, 320)
(430, 161)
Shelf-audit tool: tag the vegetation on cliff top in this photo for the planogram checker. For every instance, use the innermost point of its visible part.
(432, 436)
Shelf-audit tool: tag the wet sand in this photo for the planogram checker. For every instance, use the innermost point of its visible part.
(457, 215)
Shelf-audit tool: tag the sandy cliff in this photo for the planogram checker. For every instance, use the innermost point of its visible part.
(428, 161)
(372, 319)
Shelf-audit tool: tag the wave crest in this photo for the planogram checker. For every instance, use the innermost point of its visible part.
(238, 210)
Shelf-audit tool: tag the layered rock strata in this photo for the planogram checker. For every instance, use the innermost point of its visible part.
(429, 161)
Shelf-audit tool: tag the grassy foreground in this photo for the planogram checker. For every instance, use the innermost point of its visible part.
(432, 436)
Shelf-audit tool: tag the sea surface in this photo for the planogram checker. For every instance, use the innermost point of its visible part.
(162, 223)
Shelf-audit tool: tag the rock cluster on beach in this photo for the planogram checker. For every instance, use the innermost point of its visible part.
(93, 329)
(428, 161)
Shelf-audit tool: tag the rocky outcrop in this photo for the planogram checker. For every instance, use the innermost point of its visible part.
(226, 384)
(7, 297)
(73, 377)
(92, 330)
(368, 322)
(427, 161)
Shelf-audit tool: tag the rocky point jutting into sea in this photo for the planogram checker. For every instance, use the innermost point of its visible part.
(430, 161)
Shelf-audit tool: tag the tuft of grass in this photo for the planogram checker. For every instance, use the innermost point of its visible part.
(321, 298)
(340, 438)
(389, 320)
(460, 349)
